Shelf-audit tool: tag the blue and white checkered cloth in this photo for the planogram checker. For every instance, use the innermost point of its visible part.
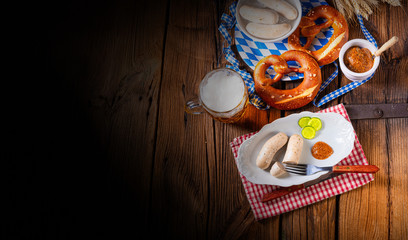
(252, 51)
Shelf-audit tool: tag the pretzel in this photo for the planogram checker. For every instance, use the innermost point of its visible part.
(290, 98)
(308, 28)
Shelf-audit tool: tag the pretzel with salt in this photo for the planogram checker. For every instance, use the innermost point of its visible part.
(308, 28)
(290, 98)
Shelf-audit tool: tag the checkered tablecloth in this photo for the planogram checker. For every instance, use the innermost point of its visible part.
(312, 194)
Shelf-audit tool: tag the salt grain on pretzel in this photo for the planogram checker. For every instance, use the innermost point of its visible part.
(308, 28)
(290, 98)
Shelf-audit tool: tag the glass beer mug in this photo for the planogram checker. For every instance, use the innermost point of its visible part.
(222, 94)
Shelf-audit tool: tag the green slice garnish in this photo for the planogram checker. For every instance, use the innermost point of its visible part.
(303, 121)
(308, 132)
(316, 123)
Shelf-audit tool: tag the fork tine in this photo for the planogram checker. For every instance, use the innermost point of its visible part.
(296, 165)
(300, 167)
(295, 171)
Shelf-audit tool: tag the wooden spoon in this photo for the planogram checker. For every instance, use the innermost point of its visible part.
(385, 46)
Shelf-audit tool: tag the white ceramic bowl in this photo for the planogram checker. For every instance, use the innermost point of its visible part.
(294, 23)
(336, 131)
(353, 76)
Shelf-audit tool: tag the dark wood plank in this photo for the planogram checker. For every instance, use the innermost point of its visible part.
(371, 218)
(321, 222)
(94, 80)
(294, 224)
(367, 207)
(397, 92)
(128, 102)
(398, 189)
(185, 146)
(120, 92)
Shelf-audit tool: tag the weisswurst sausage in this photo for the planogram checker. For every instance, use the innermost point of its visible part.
(277, 169)
(269, 149)
(268, 31)
(282, 7)
(293, 150)
(259, 15)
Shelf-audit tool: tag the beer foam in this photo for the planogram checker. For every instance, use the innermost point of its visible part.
(222, 91)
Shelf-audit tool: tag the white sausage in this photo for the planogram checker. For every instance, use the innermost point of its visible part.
(268, 31)
(294, 150)
(259, 15)
(277, 169)
(269, 149)
(282, 7)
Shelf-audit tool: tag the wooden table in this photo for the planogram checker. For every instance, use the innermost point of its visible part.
(109, 150)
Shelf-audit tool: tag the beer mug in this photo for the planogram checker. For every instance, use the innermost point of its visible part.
(222, 94)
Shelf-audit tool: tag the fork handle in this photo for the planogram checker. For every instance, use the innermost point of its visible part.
(356, 169)
(281, 192)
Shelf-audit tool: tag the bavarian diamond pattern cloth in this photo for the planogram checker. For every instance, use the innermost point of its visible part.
(252, 51)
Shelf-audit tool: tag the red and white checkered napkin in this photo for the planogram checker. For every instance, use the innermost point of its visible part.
(312, 194)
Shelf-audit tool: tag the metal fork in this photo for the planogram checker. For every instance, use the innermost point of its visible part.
(309, 169)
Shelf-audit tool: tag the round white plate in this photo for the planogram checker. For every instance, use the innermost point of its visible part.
(336, 131)
(293, 23)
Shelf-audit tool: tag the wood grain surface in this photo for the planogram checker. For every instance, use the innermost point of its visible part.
(99, 145)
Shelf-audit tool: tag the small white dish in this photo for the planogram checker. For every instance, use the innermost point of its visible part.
(336, 131)
(362, 43)
(243, 22)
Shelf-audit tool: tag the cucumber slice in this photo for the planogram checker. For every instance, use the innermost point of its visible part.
(316, 123)
(308, 132)
(303, 121)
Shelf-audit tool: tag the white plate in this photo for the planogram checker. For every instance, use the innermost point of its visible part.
(336, 131)
(293, 23)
